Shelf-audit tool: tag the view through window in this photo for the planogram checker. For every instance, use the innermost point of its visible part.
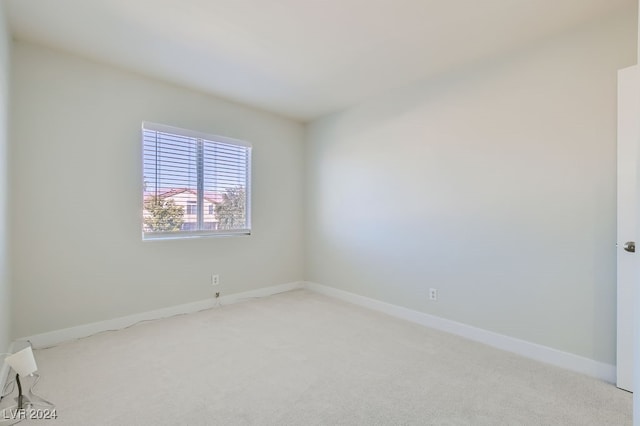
(194, 184)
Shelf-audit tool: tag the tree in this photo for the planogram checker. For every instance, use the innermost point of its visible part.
(164, 215)
(232, 210)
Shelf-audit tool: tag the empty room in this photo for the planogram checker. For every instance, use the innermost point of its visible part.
(297, 212)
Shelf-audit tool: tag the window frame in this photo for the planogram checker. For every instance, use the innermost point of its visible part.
(206, 137)
(192, 208)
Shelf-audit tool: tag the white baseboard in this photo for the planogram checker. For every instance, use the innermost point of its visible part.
(530, 350)
(599, 370)
(55, 337)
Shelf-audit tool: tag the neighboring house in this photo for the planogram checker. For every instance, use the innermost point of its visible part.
(187, 199)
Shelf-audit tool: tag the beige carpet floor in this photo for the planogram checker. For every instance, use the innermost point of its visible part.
(299, 358)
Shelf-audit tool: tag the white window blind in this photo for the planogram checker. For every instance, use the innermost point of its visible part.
(194, 184)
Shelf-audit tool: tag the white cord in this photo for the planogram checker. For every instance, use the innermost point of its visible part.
(217, 304)
(11, 415)
(6, 385)
(5, 392)
(41, 401)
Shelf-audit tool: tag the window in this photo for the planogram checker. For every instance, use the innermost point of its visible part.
(192, 207)
(184, 172)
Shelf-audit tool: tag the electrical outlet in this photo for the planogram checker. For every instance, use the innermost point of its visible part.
(215, 279)
(433, 294)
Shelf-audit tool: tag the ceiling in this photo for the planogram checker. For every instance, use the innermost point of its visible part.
(299, 58)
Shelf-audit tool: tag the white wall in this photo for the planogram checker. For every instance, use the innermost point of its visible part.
(494, 184)
(77, 251)
(5, 294)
